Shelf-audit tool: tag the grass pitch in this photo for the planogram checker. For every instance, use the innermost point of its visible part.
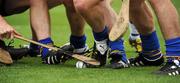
(31, 70)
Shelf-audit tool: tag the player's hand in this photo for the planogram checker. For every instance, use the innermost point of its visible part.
(6, 31)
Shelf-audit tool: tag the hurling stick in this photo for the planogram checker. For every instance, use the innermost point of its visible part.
(85, 59)
(120, 26)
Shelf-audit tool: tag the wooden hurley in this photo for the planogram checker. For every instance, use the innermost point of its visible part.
(83, 58)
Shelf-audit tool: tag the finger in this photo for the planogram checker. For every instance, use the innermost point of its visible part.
(11, 35)
(8, 34)
(5, 35)
(16, 33)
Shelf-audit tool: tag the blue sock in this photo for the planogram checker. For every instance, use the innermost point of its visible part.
(150, 42)
(118, 45)
(45, 50)
(78, 41)
(101, 35)
(172, 48)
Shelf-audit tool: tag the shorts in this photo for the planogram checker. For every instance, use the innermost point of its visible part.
(6, 8)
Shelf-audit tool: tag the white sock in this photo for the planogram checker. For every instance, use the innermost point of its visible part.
(134, 34)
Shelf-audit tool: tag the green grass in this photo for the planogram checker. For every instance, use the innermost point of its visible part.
(30, 70)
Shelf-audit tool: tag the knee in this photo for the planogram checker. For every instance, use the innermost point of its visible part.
(81, 5)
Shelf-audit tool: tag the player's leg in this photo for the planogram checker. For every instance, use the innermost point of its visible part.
(116, 47)
(39, 17)
(77, 29)
(19, 6)
(170, 27)
(50, 4)
(172, 16)
(134, 38)
(34, 51)
(41, 7)
(143, 20)
(40, 22)
(95, 17)
(77, 23)
(110, 14)
(117, 52)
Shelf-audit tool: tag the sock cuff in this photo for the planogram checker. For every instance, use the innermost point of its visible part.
(172, 41)
(46, 40)
(44, 51)
(173, 47)
(150, 42)
(148, 35)
(78, 41)
(101, 35)
(117, 45)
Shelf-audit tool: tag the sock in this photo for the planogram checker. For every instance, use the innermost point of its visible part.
(150, 45)
(45, 50)
(150, 42)
(172, 48)
(79, 43)
(101, 40)
(118, 45)
(101, 35)
(134, 34)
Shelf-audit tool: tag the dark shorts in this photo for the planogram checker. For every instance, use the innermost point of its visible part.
(7, 12)
(2, 11)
